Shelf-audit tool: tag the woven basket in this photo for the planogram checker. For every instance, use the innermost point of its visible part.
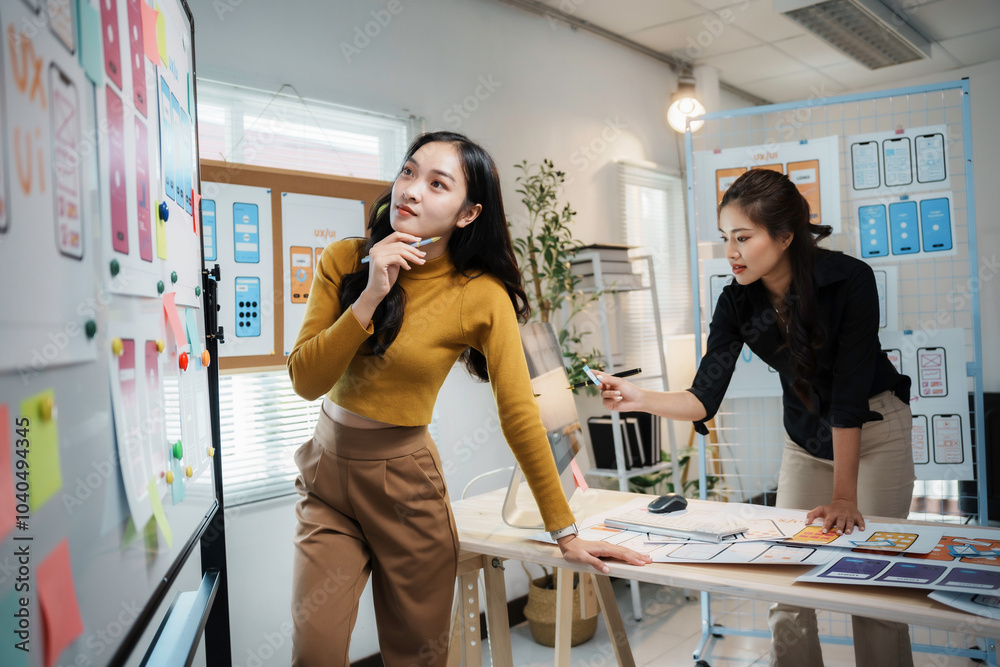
(541, 612)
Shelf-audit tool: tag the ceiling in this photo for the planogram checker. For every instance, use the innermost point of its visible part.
(768, 55)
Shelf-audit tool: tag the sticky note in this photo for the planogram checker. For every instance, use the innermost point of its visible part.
(174, 318)
(43, 451)
(11, 656)
(194, 340)
(91, 42)
(161, 36)
(150, 17)
(578, 476)
(161, 232)
(57, 599)
(177, 488)
(196, 218)
(158, 514)
(7, 505)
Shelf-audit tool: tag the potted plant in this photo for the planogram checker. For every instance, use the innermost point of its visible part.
(545, 253)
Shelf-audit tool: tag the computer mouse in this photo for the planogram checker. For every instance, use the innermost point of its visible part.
(670, 502)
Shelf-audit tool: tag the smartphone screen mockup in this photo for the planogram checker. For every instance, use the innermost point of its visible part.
(64, 116)
(301, 265)
(895, 358)
(138, 55)
(947, 439)
(920, 441)
(142, 191)
(112, 44)
(903, 228)
(805, 176)
(872, 226)
(935, 224)
(208, 235)
(246, 233)
(247, 306)
(166, 138)
(865, 165)
(930, 158)
(116, 172)
(897, 161)
(932, 372)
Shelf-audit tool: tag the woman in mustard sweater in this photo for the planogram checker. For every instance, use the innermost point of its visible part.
(377, 341)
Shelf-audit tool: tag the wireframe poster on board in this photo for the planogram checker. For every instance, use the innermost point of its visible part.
(935, 362)
(244, 251)
(898, 162)
(308, 224)
(812, 165)
(46, 202)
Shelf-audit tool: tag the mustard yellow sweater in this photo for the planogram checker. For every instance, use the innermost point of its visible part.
(445, 313)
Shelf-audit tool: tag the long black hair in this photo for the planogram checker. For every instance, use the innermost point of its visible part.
(770, 200)
(484, 246)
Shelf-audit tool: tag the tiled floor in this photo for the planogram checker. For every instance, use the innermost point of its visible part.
(671, 629)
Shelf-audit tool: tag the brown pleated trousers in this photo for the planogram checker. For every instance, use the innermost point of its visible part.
(374, 503)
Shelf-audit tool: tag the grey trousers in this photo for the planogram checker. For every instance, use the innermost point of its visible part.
(885, 487)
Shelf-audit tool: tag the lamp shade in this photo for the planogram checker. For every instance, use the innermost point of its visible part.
(684, 104)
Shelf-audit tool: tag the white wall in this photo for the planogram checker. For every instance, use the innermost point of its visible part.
(544, 91)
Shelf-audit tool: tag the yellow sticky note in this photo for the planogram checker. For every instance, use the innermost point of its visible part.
(158, 514)
(161, 232)
(43, 446)
(161, 36)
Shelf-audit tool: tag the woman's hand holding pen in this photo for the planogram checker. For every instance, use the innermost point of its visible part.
(585, 552)
(384, 261)
(619, 394)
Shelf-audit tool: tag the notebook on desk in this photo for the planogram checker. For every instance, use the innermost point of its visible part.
(696, 525)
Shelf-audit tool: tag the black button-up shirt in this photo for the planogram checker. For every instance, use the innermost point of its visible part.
(851, 366)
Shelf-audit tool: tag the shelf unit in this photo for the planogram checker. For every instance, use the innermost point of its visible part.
(620, 473)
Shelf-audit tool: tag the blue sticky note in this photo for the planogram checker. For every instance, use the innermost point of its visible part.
(191, 325)
(91, 42)
(177, 488)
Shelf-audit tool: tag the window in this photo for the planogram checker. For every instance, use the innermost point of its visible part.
(652, 213)
(283, 130)
(263, 420)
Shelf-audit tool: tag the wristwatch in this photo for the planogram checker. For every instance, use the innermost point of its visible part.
(563, 532)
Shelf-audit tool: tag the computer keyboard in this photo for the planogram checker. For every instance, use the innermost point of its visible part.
(698, 525)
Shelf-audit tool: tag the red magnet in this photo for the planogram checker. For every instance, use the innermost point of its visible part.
(183, 360)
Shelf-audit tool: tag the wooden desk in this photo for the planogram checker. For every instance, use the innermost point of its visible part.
(482, 533)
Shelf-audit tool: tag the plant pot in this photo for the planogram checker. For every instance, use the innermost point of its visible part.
(541, 613)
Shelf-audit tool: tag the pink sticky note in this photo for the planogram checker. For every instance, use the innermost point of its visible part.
(197, 209)
(581, 482)
(149, 45)
(57, 598)
(7, 508)
(174, 318)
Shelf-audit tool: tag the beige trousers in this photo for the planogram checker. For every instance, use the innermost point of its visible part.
(374, 502)
(885, 487)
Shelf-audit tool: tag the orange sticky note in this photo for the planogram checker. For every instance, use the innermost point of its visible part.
(174, 318)
(149, 18)
(7, 508)
(578, 476)
(57, 598)
(197, 209)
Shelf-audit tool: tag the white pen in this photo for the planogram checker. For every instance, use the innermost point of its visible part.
(415, 245)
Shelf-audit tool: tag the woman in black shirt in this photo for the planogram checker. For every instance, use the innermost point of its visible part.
(812, 315)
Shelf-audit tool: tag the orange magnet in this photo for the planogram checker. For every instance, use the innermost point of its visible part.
(206, 358)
